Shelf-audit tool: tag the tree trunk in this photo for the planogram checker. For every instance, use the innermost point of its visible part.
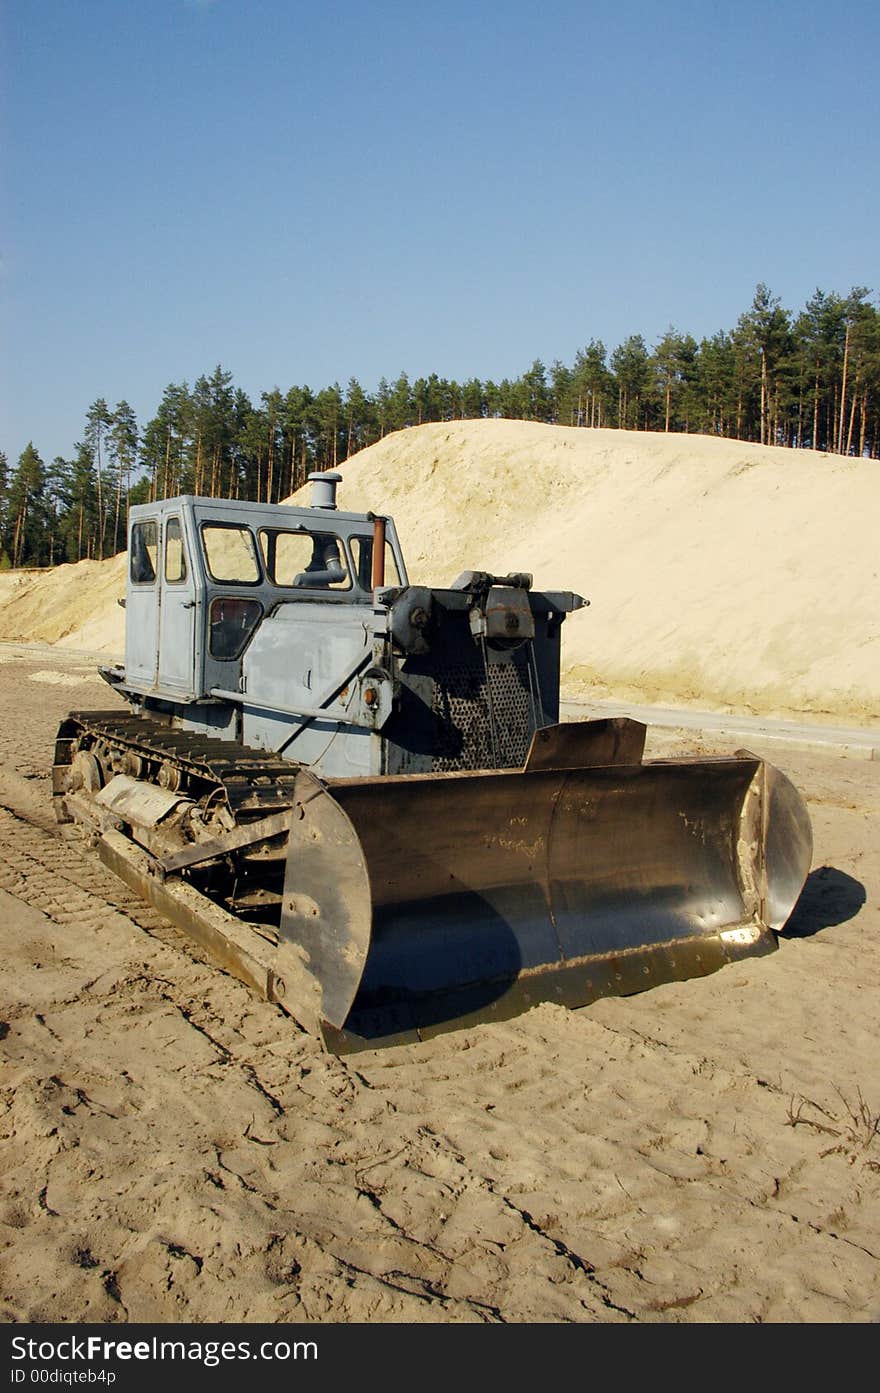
(816, 409)
(117, 510)
(16, 543)
(852, 419)
(100, 508)
(843, 391)
(831, 425)
(763, 397)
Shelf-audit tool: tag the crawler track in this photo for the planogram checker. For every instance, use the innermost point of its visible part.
(230, 786)
(248, 784)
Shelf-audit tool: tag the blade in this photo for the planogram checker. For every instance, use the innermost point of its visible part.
(429, 902)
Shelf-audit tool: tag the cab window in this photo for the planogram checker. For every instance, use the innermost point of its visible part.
(175, 557)
(230, 553)
(362, 551)
(232, 621)
(144, 552)
(305, 560)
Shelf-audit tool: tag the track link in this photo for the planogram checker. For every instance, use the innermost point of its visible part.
(248, 784)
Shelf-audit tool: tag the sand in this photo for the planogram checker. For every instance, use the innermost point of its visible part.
(721, 575)
(75, 606)
(173, 1149)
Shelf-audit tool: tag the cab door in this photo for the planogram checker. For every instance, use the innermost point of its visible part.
(142, 604)
(177, 613)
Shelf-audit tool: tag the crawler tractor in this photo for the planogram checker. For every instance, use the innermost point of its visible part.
(355, 792)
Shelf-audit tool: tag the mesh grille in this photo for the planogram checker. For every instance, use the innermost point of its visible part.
(463, 737)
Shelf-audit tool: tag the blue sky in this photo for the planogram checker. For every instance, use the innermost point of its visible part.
(309, 192)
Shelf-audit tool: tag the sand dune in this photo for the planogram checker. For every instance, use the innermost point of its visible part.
(720, 574)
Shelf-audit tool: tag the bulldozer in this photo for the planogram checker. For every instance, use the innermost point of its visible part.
(356, 793)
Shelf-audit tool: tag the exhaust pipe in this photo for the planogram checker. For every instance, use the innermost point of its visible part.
(378, 553)
(324, 488)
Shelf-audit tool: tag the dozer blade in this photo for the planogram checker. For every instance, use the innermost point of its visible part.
(423, 903)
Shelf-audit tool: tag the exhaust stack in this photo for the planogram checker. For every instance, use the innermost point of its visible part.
(324, 488)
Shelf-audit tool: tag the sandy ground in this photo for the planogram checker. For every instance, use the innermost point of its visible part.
(720, 575)
(174, 1149)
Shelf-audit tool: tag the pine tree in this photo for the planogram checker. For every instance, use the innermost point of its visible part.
(4, 493)
(766, 341)
(359, 418)
(26, 510)
(673, 361)
(78, 525)
(629, 363)
(592, 381)
(123, 448)
(297, 405)
(98, 422)
(165, 444)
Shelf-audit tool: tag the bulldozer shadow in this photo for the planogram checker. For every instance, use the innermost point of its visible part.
(440, 960)
(829, 897)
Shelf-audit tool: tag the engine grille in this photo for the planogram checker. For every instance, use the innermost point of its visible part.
(462, 718)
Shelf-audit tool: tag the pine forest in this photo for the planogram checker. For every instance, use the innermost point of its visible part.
(809, 380)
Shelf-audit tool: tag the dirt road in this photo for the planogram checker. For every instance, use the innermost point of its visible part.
(175, 1150)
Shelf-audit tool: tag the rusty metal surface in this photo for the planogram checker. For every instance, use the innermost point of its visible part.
(786, 837)
(585, 744)
(239, 951)
(136, 801)
(491, 893)
(326, 907)
(245, 836)
(572, 985)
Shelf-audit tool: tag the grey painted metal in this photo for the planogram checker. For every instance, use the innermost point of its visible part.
(305, 657)
(142, 633)
(324, 484)
(168, 652)
(180, 618)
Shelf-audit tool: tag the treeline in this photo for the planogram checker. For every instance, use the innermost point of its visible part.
(808, 380)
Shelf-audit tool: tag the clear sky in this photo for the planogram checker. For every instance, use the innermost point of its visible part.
(308, 192)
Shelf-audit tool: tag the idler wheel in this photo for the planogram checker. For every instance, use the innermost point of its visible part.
(134, 765)
(85, 773)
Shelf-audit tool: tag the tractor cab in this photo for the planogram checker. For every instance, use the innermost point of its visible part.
(204, 573)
